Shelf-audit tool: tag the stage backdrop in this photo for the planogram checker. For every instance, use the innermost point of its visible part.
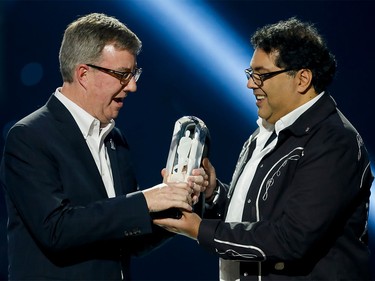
(193, 57)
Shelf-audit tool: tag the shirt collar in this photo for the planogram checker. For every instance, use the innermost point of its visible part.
(288, 119)
(88, 125)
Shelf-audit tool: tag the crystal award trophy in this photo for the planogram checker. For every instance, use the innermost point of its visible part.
(189, 145)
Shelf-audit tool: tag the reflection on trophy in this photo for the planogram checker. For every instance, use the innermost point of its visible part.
(188, 146)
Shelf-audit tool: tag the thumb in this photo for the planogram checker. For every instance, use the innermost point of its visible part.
(207, 165)
(164, 174)
(210, 170)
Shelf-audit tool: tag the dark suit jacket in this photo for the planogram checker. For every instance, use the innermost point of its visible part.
(305, 216)
(61, 223)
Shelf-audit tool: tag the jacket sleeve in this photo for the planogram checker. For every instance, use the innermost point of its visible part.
(215, 208)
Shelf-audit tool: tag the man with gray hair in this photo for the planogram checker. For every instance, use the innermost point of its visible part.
(74, 206)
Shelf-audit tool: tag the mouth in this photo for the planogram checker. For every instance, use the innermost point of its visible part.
(260, 97)
(119, 101)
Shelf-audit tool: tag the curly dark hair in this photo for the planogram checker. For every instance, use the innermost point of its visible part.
(298, 45)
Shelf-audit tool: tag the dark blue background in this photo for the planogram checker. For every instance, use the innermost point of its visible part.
(173, 85)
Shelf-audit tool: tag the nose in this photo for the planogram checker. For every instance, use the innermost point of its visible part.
(131, 86)
(251, 84)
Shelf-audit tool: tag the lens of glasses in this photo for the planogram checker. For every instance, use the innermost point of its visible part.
(127, 76)
(256, 78)
(137, 74)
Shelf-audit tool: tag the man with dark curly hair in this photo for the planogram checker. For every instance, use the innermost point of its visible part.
(297, 205)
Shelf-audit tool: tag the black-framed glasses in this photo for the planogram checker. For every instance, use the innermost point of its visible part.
(123, 76)
(260, 78)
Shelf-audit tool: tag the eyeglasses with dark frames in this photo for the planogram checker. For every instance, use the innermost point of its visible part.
(123, 76)
(260, 78)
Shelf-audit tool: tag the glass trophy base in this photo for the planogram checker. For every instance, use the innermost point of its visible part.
(172, 213)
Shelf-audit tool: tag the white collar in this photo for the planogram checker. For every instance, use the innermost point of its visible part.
(87, 124)
(289, 118)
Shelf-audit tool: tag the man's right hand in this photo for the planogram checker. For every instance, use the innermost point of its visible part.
(169, 195)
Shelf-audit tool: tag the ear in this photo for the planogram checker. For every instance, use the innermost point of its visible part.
(304, 78)
(81, 74)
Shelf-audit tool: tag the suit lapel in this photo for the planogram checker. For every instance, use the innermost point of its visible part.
(73, 136)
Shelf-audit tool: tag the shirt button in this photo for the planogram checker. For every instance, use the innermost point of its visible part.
(279, 266)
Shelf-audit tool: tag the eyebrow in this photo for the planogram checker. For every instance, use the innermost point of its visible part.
(260, 68)
(125, 69)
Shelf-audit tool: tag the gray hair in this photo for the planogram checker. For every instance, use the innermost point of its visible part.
(85, 38)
